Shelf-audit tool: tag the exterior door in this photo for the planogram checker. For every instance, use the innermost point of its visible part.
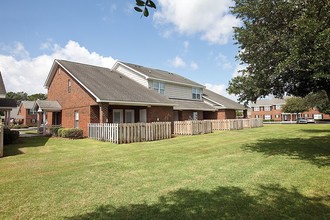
(129, 116)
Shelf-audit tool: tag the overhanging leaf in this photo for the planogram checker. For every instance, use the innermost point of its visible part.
(138, 9)
(146, 12)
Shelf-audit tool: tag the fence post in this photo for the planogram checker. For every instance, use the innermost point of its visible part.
(1, 141)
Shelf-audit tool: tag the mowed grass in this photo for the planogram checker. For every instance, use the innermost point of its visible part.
(273, 172)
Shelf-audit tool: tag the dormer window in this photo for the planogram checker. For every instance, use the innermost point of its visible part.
(159, 87)
(196, 93)
(69, 85)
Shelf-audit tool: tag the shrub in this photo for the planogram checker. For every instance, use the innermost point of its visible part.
(9, 136)
(54, 131)
(59, 132)
(73, 133)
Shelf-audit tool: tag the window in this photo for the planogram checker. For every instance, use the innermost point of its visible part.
(196, 93)
(267, 108)
(195, 115)
(257, 116)
(143, 115)
(159, 87)
(277, 116)
(31, 112)
(318, 116)
(129, 116)
(117, 116)
(69, 85)
(33, 120)
(76, 119)
(268, 117)
(256, 109)
(277, 107)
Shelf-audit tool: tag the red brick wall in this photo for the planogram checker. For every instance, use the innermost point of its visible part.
(278, 112)
(159, 113)
(226, 114)
(27, 118)
(76, 100)
(188, 115)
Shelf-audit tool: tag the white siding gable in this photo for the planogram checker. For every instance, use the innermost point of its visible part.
(132, 75)
(176, 91)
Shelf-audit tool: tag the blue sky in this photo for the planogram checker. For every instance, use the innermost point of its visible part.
(190, 37)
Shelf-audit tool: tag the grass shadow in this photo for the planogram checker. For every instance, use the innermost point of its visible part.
(315, 150)
(24, 142)
(270, 202)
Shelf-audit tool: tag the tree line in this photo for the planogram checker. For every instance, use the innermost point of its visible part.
(23, 96)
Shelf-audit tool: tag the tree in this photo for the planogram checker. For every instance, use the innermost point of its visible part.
(285, 44)
(295, 105)
(318, 100)
(37, 96)
(18, 96)
(142, 6)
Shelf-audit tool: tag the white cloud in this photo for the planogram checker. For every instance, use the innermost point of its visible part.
(178, 62)
(210, 18)
(223, 61)
(220, 89)
(28, 74)
(186, 44)
(194, 65)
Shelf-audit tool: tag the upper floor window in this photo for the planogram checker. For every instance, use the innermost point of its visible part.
(267, 108)
(69, 85)
(277, 107)
(196, 93)
(256, 109)
(159, 87)
(31, 112)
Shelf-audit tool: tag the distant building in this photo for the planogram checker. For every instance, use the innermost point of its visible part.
(271, 109)
(6, 105)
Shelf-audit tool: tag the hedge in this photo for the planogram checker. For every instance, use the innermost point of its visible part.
(73, 133)
(9, 136)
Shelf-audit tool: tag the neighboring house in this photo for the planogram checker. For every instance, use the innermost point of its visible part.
(270, 109)
(128, 93)
(26, 111)
(14, 117)
(6, 105)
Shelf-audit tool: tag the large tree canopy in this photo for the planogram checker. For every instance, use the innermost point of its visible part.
(285, 45)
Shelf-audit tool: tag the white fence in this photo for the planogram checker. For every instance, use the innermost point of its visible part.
(130, 132)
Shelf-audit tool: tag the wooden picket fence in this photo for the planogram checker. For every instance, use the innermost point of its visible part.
(192, 127)
(208, 126)
(130, 132)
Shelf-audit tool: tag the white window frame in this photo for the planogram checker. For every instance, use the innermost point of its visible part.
(267, 108)
(121, 118)
(277, 107)
(268, 117)
(131, 112)
(143, 115)
(256, 109)
(159, 87)
(76, 119)
(318, 116)
(196, 93)
(195, 116)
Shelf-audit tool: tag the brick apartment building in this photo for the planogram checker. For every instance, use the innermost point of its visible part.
(270, 109)
(127, 93)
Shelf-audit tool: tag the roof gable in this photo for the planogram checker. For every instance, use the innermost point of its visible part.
(161, 75)
(220, 101)
(109, 86)
(2, 87)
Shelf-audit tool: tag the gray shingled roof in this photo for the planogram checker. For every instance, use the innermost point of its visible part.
(8, 103)
(27, 104)
(162, 75)
(225, 102)
(14, 114)
(268, 102)
(112, 86)
(2, 86)
(47, 105)
(192, 105)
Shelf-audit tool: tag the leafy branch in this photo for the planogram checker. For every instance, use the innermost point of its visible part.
(142, 7)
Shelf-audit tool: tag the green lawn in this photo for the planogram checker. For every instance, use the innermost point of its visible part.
(274, 172)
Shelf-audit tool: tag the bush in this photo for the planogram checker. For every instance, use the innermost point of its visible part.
(9, 136)
(59, 132)
(73, 133)
(55, 131)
